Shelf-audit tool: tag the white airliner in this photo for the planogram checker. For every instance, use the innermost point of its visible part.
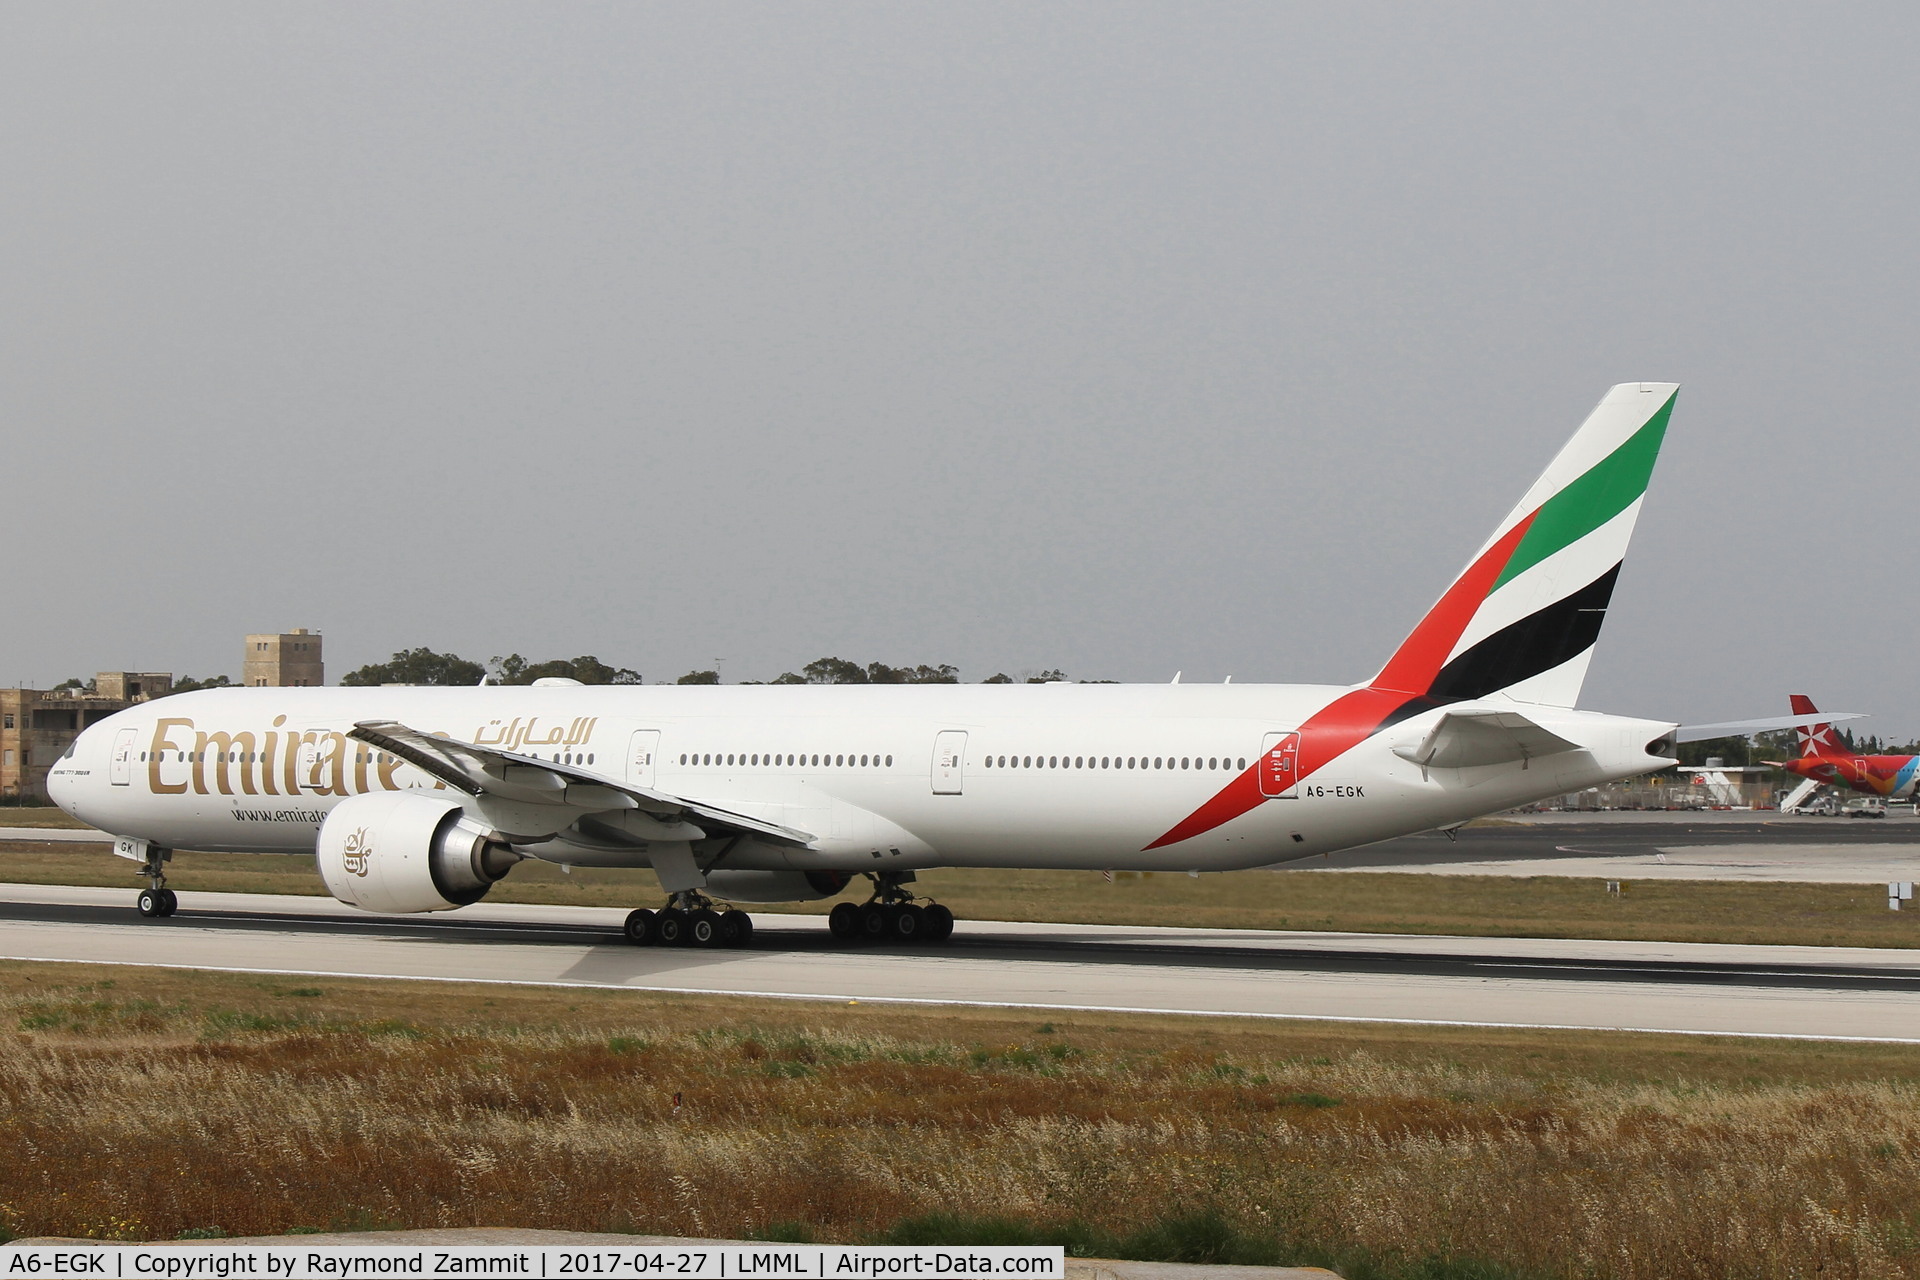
(420, 799)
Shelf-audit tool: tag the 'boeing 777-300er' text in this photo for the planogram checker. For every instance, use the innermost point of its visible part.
(421, 799)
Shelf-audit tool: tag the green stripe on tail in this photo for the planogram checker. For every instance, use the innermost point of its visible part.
(1603, 492)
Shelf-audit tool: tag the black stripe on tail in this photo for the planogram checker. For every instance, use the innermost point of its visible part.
(1538, 642)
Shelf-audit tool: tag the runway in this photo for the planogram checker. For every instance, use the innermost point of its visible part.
(1842, 993)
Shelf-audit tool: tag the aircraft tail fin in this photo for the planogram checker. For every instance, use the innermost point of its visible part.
(1522, 618)
(1815, 739)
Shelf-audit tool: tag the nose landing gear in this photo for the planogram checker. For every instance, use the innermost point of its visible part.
(156, 901)
(689, 919)
(890, 915)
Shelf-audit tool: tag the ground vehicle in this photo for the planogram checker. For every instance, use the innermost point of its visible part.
(1865, 807)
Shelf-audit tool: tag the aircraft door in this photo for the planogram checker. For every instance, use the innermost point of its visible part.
(643, 749)
(1280, 766)
(308, 771)
(949, 761)
(120, 764)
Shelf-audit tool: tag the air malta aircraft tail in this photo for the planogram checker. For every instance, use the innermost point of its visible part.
(1815, 739)
(1826, 758)
(1521, 620)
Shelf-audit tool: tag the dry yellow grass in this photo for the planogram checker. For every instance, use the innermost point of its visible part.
(142, 1103)
(1491, 906)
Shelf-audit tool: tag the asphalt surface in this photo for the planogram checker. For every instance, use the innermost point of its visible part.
(1852, 993)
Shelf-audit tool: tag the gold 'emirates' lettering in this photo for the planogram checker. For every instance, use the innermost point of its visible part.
(276, 761)
(293, 762)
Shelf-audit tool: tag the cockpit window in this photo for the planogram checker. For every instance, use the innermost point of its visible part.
(71, 748)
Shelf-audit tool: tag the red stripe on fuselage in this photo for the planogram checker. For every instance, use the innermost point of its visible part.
(1353, 717)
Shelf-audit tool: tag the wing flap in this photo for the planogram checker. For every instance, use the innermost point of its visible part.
(485, 771)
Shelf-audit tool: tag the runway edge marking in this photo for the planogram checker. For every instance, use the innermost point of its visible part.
(824, 998)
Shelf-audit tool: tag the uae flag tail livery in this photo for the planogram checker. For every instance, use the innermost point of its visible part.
(1522, 618)
(1515, 629)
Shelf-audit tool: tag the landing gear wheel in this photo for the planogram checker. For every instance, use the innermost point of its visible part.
(640, 928)
(736, 928)
(151, 904)
(844, 920)
(703, 927)
(873, 921)
(939, 922)
(909, 922)
(670, 927)
(169, 902)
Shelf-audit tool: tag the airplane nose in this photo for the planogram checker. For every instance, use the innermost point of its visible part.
(62, 779)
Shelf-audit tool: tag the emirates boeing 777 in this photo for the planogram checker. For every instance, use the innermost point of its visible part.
(421, 799)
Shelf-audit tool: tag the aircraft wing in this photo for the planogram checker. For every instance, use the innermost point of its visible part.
(1463, 739)
(485, 771)
(1728, 728)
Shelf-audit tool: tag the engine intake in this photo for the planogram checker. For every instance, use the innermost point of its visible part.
(407, 853)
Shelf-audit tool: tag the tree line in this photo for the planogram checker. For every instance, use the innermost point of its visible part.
(424, 666)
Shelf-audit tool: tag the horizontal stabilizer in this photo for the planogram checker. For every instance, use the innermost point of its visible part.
(1465, 739)
(1728, 728)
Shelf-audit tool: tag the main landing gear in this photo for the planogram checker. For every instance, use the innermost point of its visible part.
(156, 901)
(689, 920)
(890, 915)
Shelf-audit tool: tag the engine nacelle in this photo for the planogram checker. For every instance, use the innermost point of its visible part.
(408, 852)
(776, 886)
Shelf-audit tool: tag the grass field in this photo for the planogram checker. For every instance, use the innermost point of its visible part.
(38, 816)
(144, 1103)
(1495, 906)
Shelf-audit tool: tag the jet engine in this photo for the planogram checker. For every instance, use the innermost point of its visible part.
(776, 886)
(408, 852)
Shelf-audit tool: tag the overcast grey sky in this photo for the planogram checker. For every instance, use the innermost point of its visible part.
(1125, 339)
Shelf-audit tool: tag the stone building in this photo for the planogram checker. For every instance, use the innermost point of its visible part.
(279, 661)
(36, 725)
